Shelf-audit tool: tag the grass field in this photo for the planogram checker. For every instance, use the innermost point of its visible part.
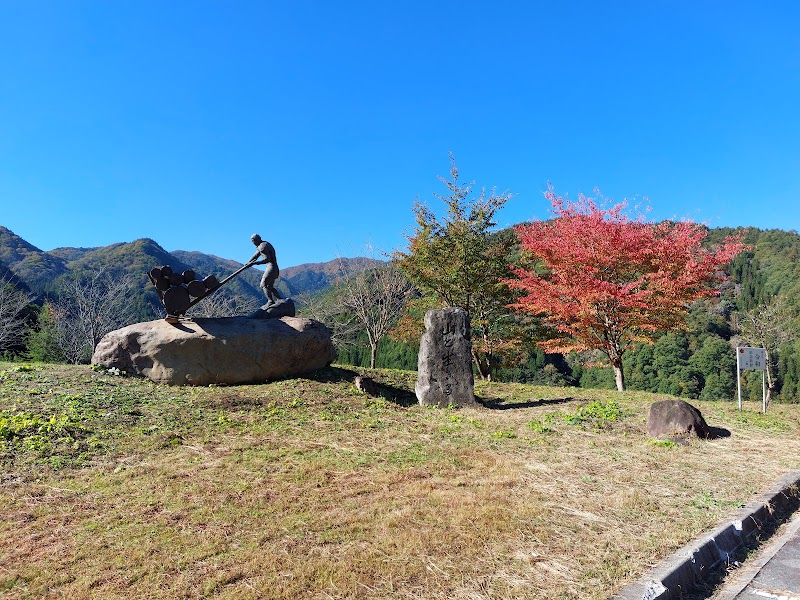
(115, 487)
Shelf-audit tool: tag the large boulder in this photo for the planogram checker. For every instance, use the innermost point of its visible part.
(221, 351)
(445, 360)
(676, 418)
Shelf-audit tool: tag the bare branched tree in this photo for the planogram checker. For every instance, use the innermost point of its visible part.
(90, 306)
(13, 303)
(327, 309)
(223, 304)
(768, 326)
(375, 298)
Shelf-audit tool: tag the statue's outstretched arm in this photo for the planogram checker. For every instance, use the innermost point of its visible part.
(253, 261)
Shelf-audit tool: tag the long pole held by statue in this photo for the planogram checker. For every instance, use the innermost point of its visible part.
(221, 283)
(181, 291)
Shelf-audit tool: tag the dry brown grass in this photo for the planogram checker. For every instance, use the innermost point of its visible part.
(309, 489)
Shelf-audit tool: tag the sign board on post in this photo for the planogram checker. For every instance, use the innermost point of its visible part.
(751, 359)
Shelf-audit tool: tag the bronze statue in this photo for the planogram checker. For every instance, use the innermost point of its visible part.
(180, 291)
(271, 270)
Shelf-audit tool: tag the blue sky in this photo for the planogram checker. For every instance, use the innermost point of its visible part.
(317, 124)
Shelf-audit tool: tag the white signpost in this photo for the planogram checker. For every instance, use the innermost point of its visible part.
(751, 359)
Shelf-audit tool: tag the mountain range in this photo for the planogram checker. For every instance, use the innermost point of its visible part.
(39, 271)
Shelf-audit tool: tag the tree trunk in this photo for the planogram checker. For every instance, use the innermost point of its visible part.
(619, 375)
(770, 380)
(478, 366)
(489, 357)
(373, 351)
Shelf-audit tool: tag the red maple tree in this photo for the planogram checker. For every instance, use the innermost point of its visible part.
(604, 281)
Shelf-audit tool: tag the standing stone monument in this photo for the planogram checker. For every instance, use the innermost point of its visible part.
(445, 360)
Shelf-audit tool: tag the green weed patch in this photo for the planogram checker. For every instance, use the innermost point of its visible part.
(597, 413)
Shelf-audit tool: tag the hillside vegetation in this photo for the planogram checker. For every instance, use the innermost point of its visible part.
(307, 488)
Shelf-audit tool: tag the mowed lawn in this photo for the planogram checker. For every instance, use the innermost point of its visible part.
(115, 487)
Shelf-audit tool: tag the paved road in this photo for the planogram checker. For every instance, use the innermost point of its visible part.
(772, 573)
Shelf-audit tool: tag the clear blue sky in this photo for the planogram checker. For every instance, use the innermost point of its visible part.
(317, 124)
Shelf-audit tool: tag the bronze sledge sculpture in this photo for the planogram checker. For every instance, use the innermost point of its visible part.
(179, 292)
(270, 343)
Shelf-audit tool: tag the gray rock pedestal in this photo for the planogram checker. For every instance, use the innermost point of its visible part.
(218, 351)
(275, 310)
(445, 360)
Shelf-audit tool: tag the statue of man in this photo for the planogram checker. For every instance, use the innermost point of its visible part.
(271, 271)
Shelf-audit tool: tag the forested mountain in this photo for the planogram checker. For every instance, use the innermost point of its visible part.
(311, 278)
(136, 258)
(7, 275)
(770, 268)
(69, 254)
(33, 267)
(40, 271)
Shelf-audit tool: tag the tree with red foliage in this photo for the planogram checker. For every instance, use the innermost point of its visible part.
(604, 281)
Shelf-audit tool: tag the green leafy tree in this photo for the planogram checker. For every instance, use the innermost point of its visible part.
(639, 365)
(670, 363)
(459, 261)
(789, 372)
(42, 344)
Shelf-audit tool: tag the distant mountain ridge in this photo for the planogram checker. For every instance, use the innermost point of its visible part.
(245, 284)
(70, 254)
(39, 270)
(35, 268)
(311, 278)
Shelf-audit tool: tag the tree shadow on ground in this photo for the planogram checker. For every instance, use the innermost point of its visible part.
(405, 397)
(332, 375)
(497, 404)
(397, 395)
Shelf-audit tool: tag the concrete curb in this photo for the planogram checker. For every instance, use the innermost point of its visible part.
(678, 574)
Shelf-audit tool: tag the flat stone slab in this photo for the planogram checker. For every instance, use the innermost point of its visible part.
(227, 350)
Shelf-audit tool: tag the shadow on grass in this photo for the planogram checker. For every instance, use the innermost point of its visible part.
(332, 375)
(495, 404)
(404, 397)
(399, 396)
(715, 433)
